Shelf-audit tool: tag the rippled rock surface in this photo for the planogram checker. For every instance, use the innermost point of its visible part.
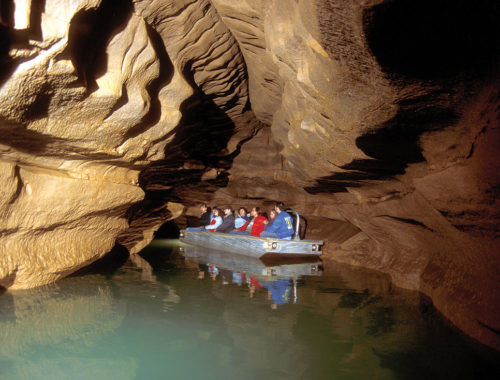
(377, 120)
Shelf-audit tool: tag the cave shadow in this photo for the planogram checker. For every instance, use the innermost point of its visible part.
(453, 346)
(7, 64)
(441, 41)
(196, 144)
(106, 265)
(18, 38)
(7, 307)
(6, 25)
(199, 143)
(7, 282)
(391, 146)
(201, 135)
(166, 73)
(432, 39)
(29, 141)
(89, 33)
(302, 225)
(168, 230)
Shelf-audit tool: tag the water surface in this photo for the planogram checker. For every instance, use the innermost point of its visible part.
(167, 314)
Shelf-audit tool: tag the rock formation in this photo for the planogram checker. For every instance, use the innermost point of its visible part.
(377, 120)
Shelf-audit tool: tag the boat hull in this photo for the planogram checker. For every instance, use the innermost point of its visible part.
(251, 245)
(252, 266)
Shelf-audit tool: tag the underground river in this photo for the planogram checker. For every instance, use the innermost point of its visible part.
(172, 312)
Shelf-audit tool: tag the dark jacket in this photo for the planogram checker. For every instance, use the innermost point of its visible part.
(205, 219)
(227, 224)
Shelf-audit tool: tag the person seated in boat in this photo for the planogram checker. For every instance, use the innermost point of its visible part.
(282, 227)
(254, 226)
(228, 221)
(206, 215)
(241, 218)
(216, 220)
(272, 216)
(205, 219)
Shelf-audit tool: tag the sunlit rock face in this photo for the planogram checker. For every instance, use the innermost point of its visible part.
(91, 93)
(377, 120)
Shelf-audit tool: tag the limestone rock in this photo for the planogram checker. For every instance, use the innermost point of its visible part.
(92, 93)
(377, 120)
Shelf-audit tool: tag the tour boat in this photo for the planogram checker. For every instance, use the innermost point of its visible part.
(254, 246)
(262, 268)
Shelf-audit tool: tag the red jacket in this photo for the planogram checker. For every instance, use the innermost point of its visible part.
(257, 227)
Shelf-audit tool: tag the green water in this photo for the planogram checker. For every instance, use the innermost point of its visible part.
(165, 316)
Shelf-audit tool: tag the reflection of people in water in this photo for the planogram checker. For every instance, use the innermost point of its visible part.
(201, 272)
(226, 275)
(238, 278)
(213, 271)
(279, 291)
(253, 285)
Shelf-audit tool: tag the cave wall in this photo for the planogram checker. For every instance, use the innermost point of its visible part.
(384, 140)
(93, 92)
(377, 120)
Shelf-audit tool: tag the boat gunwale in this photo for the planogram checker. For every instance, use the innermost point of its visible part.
(263, 239)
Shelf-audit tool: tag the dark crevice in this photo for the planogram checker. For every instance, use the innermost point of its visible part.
(8, 231)
(492, 329)
(90, 32)
(20, 185)
(429, 39)
(6, 36)
(37, 8)
(471, 151)
(107, 265)
(10, 37)
(409, 221)
(392, 145)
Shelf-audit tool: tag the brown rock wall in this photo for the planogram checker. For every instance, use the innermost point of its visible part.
(94, 91)
(371, 118)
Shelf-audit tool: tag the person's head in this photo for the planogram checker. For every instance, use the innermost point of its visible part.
(203, 207)
(272, 214)
(228, 210)
(216, 211)
(279, 206)
(255, 212)
(242, 211)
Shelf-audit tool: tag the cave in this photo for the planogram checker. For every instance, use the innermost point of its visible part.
(377, 120)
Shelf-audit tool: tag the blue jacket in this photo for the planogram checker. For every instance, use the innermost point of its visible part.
(282, 225)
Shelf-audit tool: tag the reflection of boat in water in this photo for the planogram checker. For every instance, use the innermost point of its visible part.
(252, 245)
(264, 267)
(277, 276)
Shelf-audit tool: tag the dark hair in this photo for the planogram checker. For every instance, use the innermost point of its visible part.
(280, 205)
(257, 208)
(203, 205)
(216, 209)
(244, 209)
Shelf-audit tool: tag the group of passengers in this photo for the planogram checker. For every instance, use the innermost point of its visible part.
(279, 224)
